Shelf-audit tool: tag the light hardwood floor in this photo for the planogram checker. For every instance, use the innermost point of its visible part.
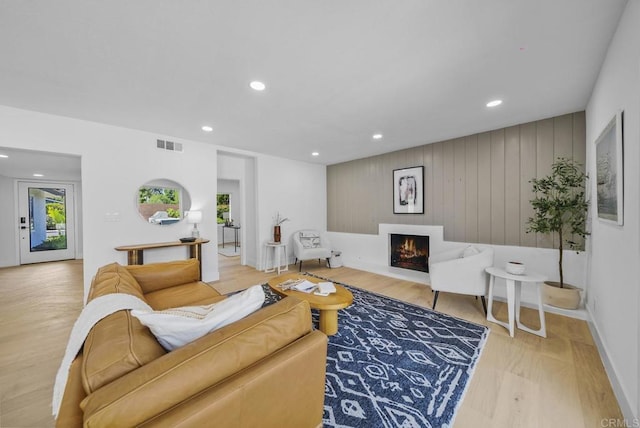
(525, 381)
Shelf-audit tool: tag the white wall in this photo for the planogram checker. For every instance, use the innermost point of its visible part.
(297, 190)
(613, 293)
(116, 161)
(8, 225)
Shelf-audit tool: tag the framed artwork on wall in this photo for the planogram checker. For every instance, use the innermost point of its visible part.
(408, 190)
(610, 173)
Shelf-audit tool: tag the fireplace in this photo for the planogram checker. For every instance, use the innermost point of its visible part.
(409, 251)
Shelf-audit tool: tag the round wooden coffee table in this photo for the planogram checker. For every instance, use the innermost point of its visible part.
(327, 306)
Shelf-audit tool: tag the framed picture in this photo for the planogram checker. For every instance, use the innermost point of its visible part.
(609, 172)
(408, 190)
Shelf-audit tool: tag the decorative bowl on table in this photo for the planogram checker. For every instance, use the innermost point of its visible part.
(515, 268)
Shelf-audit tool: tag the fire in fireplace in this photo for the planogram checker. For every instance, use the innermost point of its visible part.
(409, 251)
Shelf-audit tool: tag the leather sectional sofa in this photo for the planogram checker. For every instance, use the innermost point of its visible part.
(267, 370)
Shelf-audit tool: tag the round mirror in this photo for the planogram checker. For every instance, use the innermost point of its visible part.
(162, 202)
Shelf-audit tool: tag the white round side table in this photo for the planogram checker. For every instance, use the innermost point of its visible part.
(514, 289)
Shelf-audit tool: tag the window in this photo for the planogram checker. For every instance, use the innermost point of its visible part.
(223, 207)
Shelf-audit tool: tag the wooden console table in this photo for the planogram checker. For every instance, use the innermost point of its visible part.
(135, 253)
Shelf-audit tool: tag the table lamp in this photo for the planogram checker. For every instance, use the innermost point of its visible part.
(194, 217)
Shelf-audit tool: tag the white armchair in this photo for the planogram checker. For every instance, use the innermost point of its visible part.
(461, 271)
(310, 244)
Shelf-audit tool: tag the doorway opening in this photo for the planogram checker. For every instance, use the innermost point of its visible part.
(228, 213)
(237, 177)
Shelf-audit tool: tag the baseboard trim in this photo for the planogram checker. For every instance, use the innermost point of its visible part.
(623, 402)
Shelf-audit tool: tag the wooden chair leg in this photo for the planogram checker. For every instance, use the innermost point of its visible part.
(300, 269)
(435, 299)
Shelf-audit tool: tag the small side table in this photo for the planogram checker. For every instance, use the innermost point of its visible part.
(275, 248)
(235, 236)
(514, 289)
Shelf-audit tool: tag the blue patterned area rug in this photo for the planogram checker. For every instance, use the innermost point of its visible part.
(393, 364)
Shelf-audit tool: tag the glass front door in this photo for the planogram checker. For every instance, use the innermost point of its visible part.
(46, 222)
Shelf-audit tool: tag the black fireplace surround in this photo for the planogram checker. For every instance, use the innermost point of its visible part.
(409, 251)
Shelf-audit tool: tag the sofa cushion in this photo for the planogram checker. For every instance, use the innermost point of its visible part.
(116, 345)
(198, 366)
(114, 278)
(194, 293)
(158, 276)
(70, 414)
(176, 327)
(119, 343)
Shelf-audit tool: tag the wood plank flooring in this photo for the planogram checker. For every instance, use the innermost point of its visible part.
(525, 381)
(38, 306)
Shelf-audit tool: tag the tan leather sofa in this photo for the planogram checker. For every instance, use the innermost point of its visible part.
(266, 370)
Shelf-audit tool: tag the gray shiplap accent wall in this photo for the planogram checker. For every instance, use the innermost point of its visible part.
(477, 186)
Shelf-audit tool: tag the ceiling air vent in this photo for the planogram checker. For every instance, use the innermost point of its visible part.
(169, 145)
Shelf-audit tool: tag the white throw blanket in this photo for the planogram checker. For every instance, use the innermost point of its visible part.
(93, 312)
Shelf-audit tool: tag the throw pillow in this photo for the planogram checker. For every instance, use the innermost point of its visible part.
(470, 251)
(178, 326)
(309, 240)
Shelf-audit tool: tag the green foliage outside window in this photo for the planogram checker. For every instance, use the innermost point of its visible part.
(161, 195)
(222, 206)
(158, 195)
(55, 215)
(52, 243)
(173, 213)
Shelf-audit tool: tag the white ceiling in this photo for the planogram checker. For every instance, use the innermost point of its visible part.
(53, 166)
(417, 71)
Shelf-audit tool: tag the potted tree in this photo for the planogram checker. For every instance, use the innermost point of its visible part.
(560, 207)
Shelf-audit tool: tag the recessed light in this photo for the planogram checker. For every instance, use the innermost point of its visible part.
(38, 175)
(207, 128)
(377, 136)
(315, 154)
(494, 103)
(257, 86)
(4, 156)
